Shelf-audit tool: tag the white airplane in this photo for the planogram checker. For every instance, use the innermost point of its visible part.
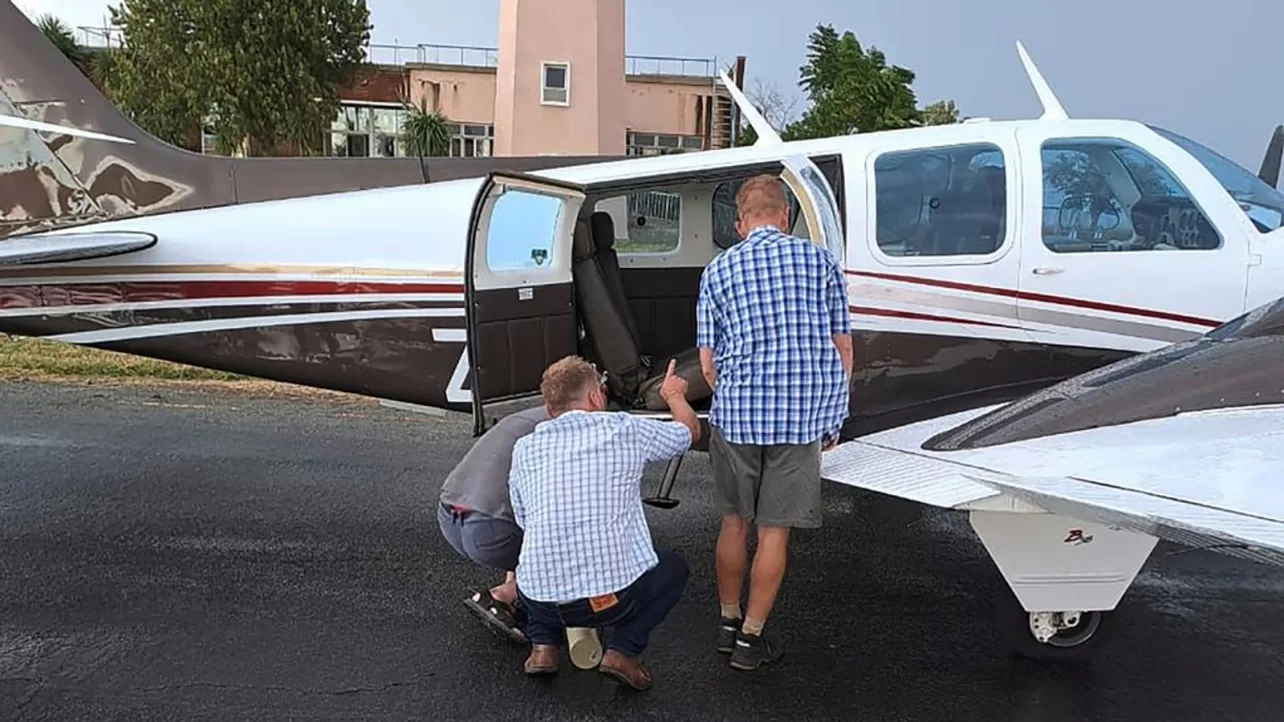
(986, 261)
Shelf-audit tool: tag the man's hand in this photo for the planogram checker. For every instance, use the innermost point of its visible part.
(672, 386)
(674, 392)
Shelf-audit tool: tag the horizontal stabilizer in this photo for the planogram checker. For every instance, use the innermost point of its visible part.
(36, 125)
(61, 247)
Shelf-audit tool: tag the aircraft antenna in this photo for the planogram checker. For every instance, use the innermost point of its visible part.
(1052, 109)
(766, 134)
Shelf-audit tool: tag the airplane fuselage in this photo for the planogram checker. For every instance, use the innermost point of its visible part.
(983, 260)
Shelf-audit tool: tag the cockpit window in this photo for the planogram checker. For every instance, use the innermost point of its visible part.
(1263, 204)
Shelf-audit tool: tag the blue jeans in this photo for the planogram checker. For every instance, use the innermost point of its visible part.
(641, 607)
(486, 540)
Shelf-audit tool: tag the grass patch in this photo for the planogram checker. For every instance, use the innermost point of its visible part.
(34, 358)
(30, 359)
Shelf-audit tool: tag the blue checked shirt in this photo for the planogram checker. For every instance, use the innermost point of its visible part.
(575, 484)
(769, 308)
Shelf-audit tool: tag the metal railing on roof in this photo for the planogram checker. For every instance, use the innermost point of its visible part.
(473, 56)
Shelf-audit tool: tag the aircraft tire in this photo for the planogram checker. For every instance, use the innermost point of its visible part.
(1073, 645)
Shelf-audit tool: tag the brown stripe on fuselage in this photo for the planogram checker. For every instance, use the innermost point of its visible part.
(89, 294)
(394, 358)
(1039, 297)
(91, 320)
(229, 268)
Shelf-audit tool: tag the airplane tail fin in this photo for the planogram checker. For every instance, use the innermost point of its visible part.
(69, 157)
(1270, 170)
(75, 176)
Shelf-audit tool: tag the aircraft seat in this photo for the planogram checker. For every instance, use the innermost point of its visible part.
(603, 227)
(607, 334)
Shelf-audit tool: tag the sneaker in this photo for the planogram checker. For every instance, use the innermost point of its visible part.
(754, 650)
(727, 629)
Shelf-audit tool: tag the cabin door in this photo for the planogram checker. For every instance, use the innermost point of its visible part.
(819, 207)
(521, 300)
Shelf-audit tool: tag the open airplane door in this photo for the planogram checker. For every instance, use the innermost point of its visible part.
(819, 206)
(519, 289)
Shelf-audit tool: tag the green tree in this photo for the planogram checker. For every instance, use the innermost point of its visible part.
(942, 112)
(424, 132)
(853, 89)
(62, 37)
(261, 74)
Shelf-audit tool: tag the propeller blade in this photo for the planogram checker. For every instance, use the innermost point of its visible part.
(1270, 171)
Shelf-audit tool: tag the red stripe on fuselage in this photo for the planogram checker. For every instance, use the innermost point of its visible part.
(88, 294)
(1041, 297)
(892, 313)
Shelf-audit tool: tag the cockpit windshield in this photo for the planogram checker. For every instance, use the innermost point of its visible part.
(1263, 204)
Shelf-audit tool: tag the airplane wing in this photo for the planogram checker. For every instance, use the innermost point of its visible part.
(1205, 479)
(61, 247)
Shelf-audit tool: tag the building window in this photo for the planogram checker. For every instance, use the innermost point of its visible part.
(468, 140)
(556, 83)
(644, 144)
(949, 201)
(366, 131)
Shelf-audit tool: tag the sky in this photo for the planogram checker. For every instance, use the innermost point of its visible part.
(1210, 71)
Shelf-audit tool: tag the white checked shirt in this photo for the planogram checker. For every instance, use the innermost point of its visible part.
(769, 308)
(575, 484)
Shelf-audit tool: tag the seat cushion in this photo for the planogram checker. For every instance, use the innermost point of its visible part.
(688, 368)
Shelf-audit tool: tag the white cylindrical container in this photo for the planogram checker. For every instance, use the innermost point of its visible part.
(585, 647)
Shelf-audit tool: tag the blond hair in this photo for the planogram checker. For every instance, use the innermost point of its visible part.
(761, 196)
(566, 381)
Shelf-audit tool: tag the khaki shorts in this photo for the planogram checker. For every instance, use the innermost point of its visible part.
(775, 485)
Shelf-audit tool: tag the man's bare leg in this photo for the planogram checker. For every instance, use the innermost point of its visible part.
(730, 558)
(768, 572)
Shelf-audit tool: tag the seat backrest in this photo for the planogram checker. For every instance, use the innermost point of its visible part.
(606, 331)
(604, 246)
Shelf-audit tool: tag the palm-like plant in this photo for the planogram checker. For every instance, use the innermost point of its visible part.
(424, 132)
(63, 38)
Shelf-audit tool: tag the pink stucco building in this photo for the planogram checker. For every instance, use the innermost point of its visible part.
(559, 83)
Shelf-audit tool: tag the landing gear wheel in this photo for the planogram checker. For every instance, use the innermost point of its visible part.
(1056, 636)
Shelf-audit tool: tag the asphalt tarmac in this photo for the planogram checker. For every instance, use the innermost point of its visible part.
(181, 555)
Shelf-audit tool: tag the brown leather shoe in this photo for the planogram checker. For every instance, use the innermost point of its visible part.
(542, 659)
(628, 670)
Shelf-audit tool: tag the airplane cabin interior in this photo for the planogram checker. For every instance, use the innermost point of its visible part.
(637, 259)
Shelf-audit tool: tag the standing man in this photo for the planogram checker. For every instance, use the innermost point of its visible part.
(775, 346)
(587, 559)
(476, 517)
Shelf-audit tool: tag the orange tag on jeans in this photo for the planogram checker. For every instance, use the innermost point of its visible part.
(606, 601)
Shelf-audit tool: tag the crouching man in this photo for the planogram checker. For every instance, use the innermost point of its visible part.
(587, 559)
(477, 519)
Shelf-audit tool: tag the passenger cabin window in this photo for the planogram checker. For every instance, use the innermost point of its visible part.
(948, 201)
(522, 228)
(1108, 195)
(725, 234)
(645, 221)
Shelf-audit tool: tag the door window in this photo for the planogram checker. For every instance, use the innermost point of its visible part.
(522, 231)
(1107, 195)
